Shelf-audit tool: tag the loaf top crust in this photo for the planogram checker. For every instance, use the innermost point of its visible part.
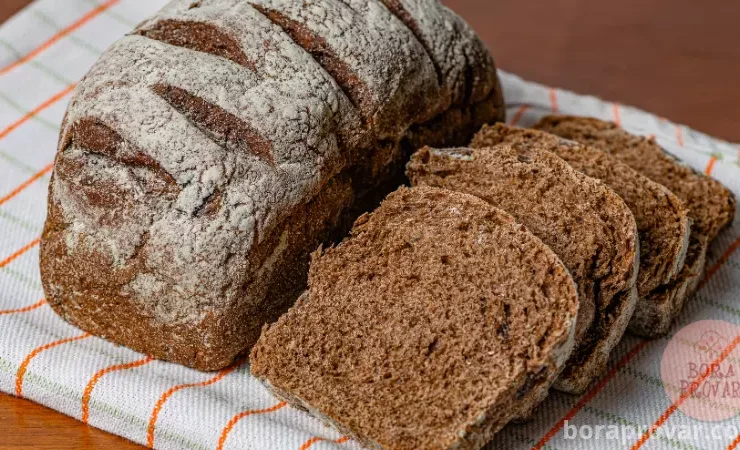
(193, 138)
(711, 205)
(426, 327)
(662, 221)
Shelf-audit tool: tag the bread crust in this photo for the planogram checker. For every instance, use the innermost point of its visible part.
(192, 180)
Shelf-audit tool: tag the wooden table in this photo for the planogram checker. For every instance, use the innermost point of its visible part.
(675, 58)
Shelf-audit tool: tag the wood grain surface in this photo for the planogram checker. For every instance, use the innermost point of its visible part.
(676, 58)
(10, 7)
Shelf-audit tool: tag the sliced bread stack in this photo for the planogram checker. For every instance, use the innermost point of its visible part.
(511, 266)
(587, 225)
(662, 220)
(433, 325)
(711, 206)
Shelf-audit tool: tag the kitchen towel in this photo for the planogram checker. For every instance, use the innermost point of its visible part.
(45, 50)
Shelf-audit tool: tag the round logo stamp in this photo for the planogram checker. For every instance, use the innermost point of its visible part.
(697, 359)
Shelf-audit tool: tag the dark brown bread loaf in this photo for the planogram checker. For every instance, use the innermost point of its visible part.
(587, 225)
(662, 221)
(205, 156)
(428, 328)
(711, 205)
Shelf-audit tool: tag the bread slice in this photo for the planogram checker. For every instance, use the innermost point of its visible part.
(711, 205)
(662, 221)
(427, 328)
(581, 219)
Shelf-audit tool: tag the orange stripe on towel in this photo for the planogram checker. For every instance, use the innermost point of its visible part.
(163, 399)
(26, 183)
(314, 440)
(590, 395)
(518, 116)
(710, 165)
(27, 360)
(553, 100)
(100, 374)
(19, 252)
(36, 305)
(58, 36)
(733, 445)
(55, 98)
(679, 136)
(240, 416)
(617, 119)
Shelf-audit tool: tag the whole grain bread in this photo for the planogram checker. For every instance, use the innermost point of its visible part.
(206, 154)
(662, 221)
(428, 328)
(587, 225)
(711, 205)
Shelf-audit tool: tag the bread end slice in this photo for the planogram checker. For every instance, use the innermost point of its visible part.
(711, 206)
(427, 328)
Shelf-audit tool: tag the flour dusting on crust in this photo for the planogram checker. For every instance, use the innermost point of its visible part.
(194, 140)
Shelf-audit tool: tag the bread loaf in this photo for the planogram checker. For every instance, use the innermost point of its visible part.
(587, 225)
(206, 154)
(428, 328)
